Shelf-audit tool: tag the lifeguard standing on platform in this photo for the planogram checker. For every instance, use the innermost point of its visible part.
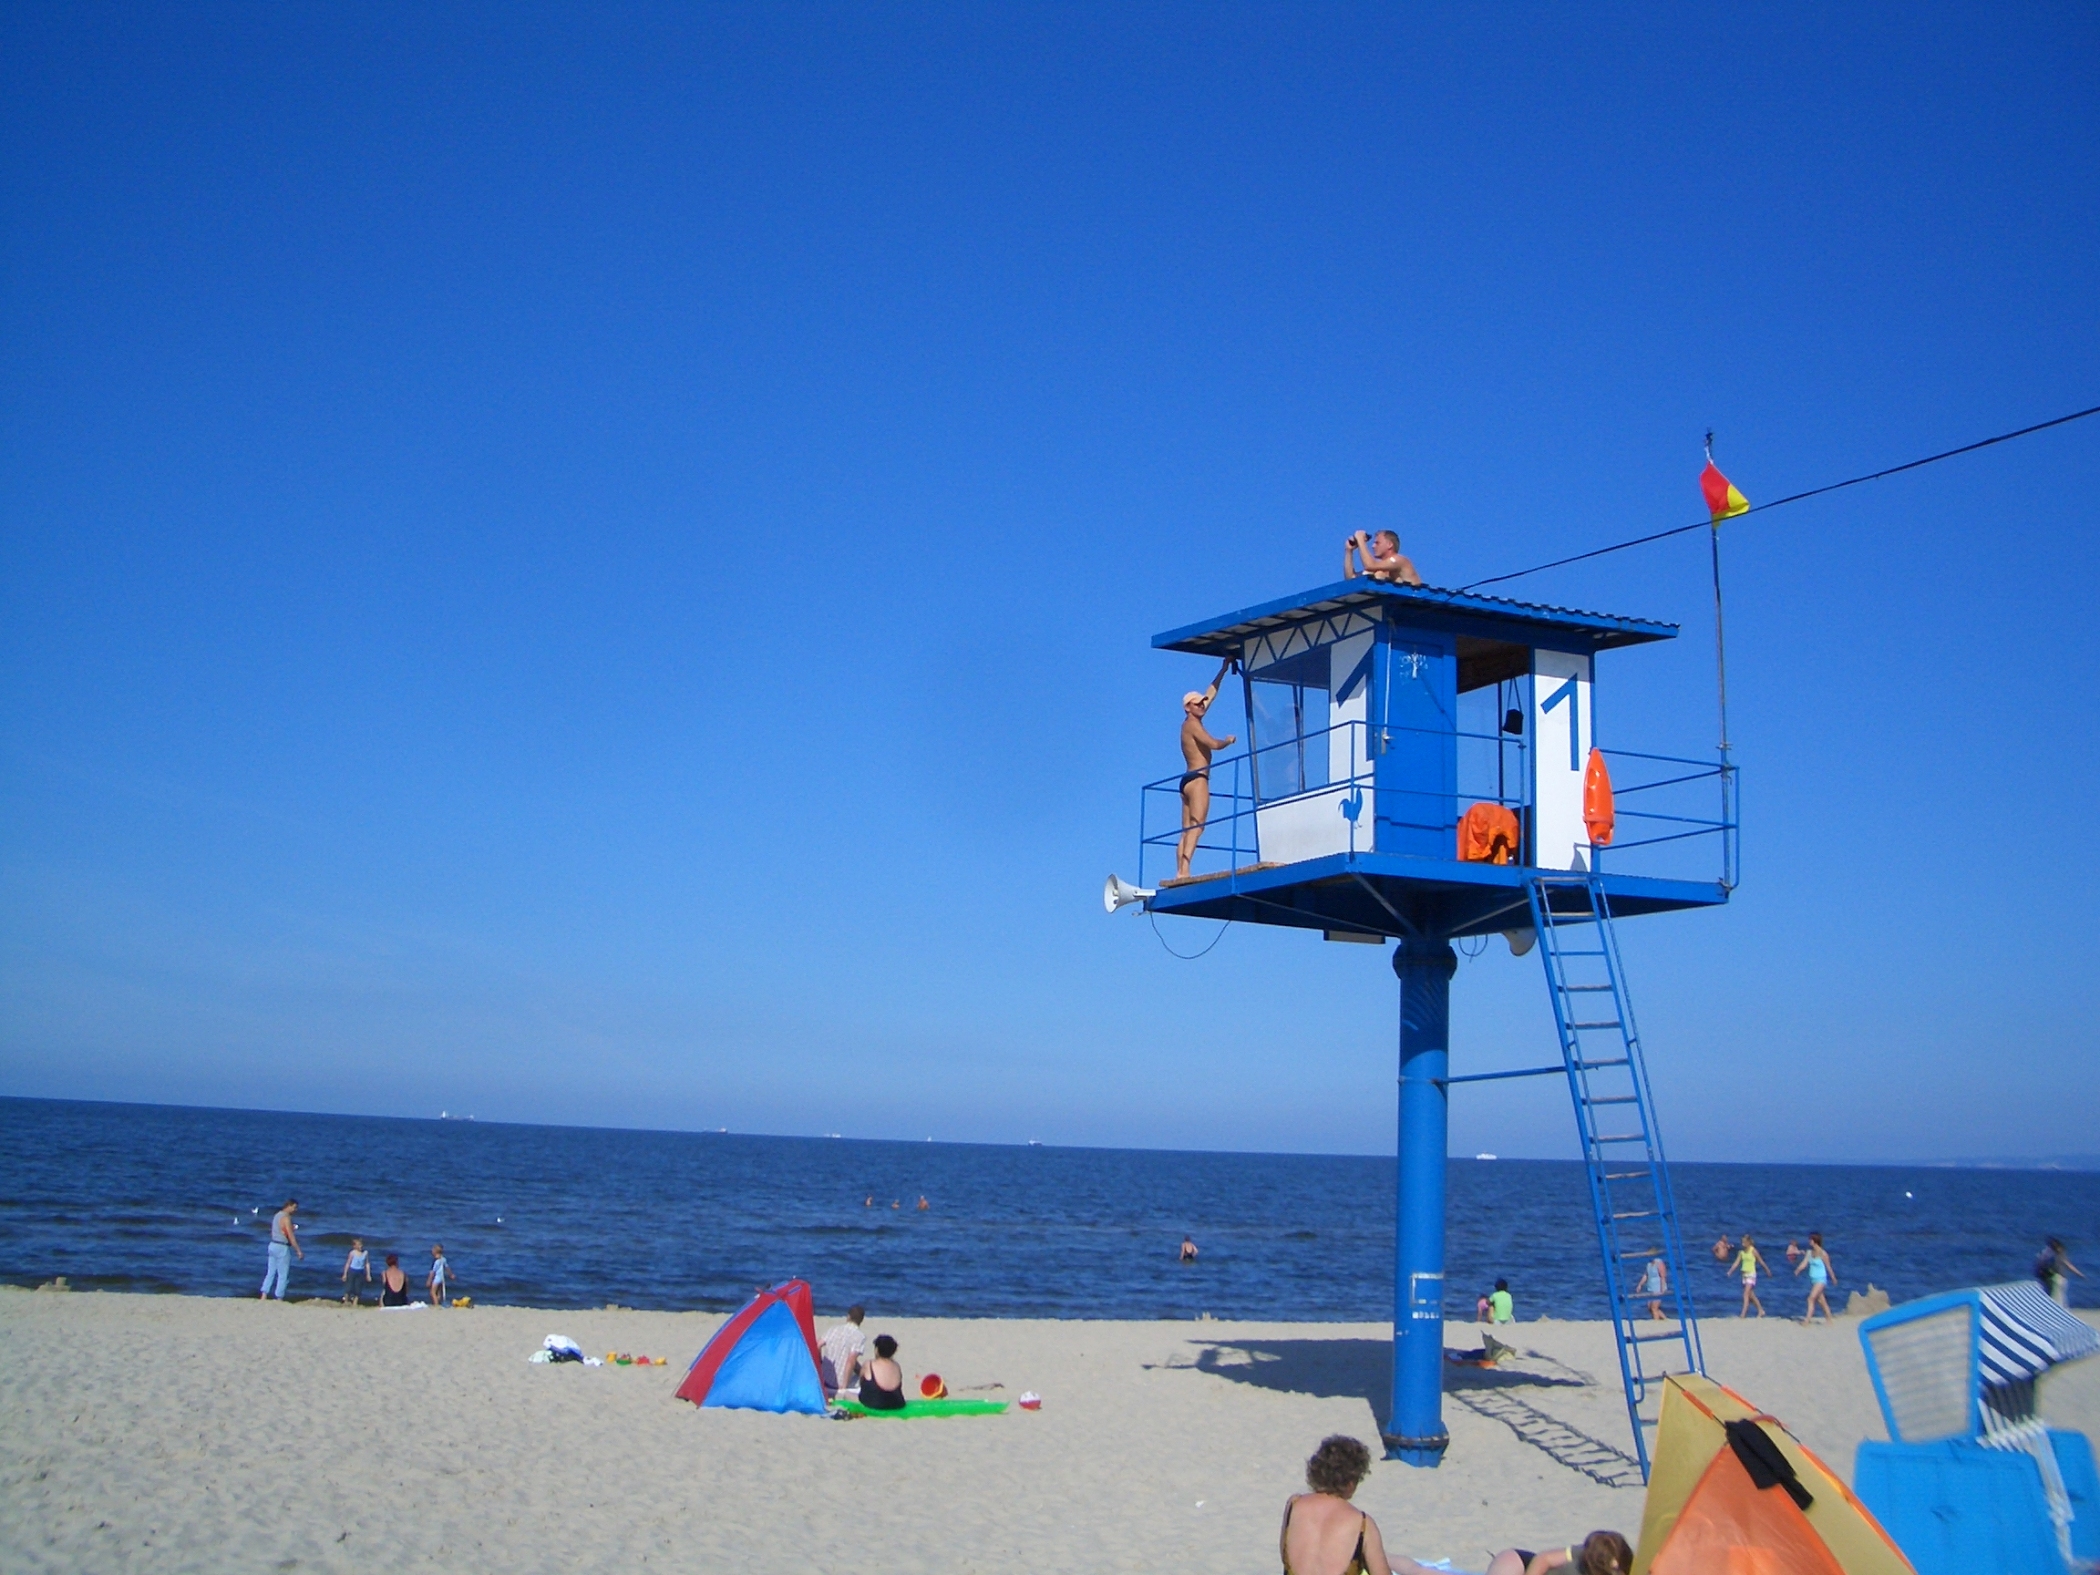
(1197, 746)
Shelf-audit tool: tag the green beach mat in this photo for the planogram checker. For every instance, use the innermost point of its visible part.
(914, 1408)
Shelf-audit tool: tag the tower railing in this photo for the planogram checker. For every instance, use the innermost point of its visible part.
(1666, 805)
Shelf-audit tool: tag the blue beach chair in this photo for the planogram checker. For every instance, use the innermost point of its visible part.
(1972, 1478)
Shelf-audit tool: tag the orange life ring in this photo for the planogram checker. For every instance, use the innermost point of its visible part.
(1597, 814)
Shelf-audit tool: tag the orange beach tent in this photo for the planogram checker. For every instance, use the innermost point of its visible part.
(1732, 1492)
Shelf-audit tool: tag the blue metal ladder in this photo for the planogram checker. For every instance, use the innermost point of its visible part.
(1621, 1150)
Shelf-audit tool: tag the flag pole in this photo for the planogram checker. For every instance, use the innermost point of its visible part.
(1721, 682)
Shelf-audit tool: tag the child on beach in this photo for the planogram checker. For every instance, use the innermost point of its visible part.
(1747, 1263)
(1502, 1307)
(1655, 1284)
(440, 1273)
(1820, 1275)
(359, 1262)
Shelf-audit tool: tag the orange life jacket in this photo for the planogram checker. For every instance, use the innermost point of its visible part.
(1597, 813)
(1489, 834)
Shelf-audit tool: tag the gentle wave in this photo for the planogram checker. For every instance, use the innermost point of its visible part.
(161, 1198)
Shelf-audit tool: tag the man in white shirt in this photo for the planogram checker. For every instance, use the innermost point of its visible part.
(841, 1351)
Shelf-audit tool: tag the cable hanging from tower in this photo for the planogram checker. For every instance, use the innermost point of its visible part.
(1796, 497)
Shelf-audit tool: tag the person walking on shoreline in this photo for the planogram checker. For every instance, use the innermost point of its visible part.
(1747, 1262)
(359, 1262)
(440, 1273)
(284, 1241)
(1821, 1275)
(2051, 1267)
(1655, 1285)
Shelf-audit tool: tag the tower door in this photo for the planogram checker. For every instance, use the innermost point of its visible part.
(1562, 731)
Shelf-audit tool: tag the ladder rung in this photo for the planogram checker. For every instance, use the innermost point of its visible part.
(1595, 1066)
(1611, 1099)
(1643, 1252)
(1579, 1027)
(1654, 1339)
(1573, 988)
(1631, 1137)
(1626, 1175)
(1559, 953)
(1640, 1214)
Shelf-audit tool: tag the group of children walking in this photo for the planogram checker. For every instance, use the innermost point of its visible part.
(1745, 1262)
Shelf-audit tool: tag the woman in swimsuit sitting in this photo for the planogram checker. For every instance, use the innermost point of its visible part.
(1322, 1533)
(1600, 1553)
(393, 1285)
(882, 1380)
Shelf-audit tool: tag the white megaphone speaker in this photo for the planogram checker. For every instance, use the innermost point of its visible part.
(1119, 893)
(1521, 941)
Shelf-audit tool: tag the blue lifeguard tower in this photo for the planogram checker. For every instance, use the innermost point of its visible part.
(1420, 768)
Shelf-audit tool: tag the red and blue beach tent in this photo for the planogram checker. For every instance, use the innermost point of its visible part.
(763, 1359)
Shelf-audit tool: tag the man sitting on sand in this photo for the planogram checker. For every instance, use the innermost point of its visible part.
(840, 1352)
(1382, 559)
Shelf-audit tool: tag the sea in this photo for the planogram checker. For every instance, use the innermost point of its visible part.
(154, 1198)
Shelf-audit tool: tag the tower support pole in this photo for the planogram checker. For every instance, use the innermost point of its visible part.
(1414, 1432)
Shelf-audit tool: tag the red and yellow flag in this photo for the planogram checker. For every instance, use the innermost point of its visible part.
(1722, 500)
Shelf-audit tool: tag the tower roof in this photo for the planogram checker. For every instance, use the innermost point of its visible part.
(1454, 612)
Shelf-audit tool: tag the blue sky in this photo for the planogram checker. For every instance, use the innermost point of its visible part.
(598, 565)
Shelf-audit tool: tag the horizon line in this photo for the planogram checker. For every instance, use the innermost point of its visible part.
(2068, 1164)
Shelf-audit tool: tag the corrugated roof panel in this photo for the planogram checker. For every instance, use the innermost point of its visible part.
(1598, 629)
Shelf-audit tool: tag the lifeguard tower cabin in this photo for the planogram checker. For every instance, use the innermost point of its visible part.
(1424, 766)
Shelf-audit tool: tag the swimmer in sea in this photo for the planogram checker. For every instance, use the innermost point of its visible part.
(1723, 1248)
(1197, 747)
(1188, 1249)
(1821, 1274)
(923, 1204)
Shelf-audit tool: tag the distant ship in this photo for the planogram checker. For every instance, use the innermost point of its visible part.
(1483, 1156)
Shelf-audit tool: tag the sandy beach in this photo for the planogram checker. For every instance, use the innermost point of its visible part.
(190, 1433)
